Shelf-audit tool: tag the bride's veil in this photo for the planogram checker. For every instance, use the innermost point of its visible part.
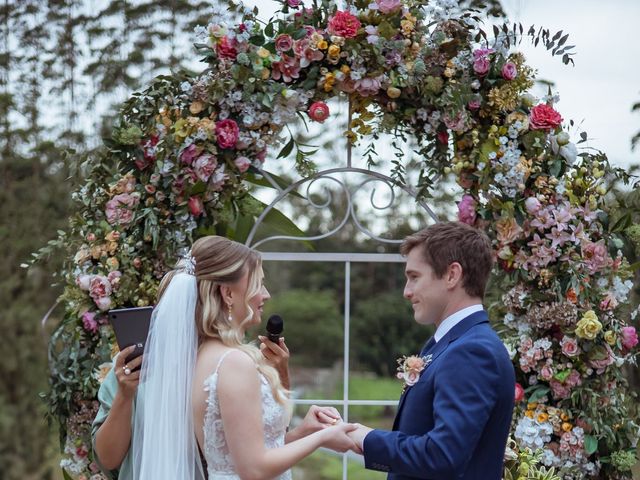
(164, 443)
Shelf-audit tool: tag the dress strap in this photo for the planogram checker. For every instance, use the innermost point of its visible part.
(222, 357)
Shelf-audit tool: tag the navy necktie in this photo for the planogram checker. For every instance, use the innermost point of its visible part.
(428, 346)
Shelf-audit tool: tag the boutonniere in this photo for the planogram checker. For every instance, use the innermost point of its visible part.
(410, 368)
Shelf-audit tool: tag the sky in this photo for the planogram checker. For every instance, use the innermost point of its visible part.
(598, 92)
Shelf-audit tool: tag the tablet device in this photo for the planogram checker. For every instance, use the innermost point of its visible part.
(131, 326)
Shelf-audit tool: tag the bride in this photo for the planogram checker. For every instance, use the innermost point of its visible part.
(203, 389)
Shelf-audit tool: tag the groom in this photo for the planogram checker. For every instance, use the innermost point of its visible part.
(454, 421)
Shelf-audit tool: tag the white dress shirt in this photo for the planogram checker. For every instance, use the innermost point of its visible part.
(452, 320)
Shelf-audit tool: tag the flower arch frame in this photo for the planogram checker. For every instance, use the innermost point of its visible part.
(177, 166)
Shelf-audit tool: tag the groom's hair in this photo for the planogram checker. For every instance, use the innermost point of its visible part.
(447, 242)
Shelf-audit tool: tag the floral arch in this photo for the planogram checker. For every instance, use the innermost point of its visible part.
(180, 159)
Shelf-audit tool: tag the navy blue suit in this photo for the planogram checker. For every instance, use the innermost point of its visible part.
(454, 422)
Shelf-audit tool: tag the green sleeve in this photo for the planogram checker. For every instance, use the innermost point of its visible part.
(106, 394)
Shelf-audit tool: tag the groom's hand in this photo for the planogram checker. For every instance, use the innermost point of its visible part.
(358, 435)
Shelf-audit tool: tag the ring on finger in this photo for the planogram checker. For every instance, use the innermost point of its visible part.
(127, 370)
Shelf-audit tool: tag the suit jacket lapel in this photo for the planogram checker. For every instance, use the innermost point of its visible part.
(436, 350)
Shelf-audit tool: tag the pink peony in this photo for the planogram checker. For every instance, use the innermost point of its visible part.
(569, 346)
(388, 6)
(481, 65)
(204, 166)
(467, 210)
(595, 255)
(344, 24)
(189, 154)
(89, 322)
(629, 337)
(284, 43)
(559, 390)
(99, 286)
(509, 71)
(544, 117)
(287, 69)
(119, 209)
(519, 394)
(226, 49)
(368, 86)
(294, 3)
(243, 164)
(482, 52)
(227, 133)
(318, 111)
(600, 358)
(196, 207)
(103, 303)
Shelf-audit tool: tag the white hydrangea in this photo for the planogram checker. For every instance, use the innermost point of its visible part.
(533, 434)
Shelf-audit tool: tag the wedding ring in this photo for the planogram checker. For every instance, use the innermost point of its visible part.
(127, 370)
(335, 420)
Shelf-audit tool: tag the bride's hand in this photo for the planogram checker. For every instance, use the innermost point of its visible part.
(317, 418)
(277, 354)
(337, 438)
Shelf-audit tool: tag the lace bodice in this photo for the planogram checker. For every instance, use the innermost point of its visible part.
(274, 420)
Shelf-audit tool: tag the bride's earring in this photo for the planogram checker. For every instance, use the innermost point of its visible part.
(230, 318)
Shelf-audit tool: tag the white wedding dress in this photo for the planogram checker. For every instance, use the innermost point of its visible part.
(216, 451)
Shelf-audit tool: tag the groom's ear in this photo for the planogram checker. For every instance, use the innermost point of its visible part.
(454, 275)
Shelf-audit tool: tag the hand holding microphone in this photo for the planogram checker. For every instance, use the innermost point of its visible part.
(274, 349)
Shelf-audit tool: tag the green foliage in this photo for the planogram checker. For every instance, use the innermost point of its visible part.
(383, 329)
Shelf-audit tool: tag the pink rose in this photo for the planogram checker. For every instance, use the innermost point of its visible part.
(532, 205)
(482, 52)
(243, 164)
(204, 166)
(411, 378)
(559, 390)
(474, 104)
(344, 24)
(287, 69)
(89, 322)
(226, 49)
(481, 65)
(368, 86)
(294, 3)
(318, 111)
(509, 71)
(569, 346)
(84, 281)
(629, 337)
(546, 373)
(519, 394)
(189, 154)
(196, 207)
(284, 43)
(544, 117)
(595, 255)
(227, 133)
(600, 358)
(388, 6)
(414, 363)
(114, 278)
(467, 210)
(99, 286)
(609, 302)
(119, 210)
(103, 303)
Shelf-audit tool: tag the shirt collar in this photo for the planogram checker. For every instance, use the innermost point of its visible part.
(452, 320)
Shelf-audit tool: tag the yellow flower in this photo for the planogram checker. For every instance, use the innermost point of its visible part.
(529, 413)
(322, 44)
(532, 406)
(542, 417)
(564, 417)
(196, 107)
(345, 69)
(263, 52)
(610, 337)
(265, 73)
(334, 50)
(567, 427)
(589, 326)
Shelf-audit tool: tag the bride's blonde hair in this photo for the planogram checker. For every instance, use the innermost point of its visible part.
(220, 261)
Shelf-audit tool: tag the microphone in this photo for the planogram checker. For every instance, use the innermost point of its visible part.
(275, 325)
